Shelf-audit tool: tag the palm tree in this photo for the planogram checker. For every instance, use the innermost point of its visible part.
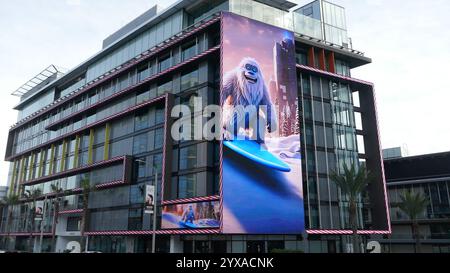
(56, 205)
(352, 183)
(9, 202)
(33, 195)
(87, 189)
(414, 205)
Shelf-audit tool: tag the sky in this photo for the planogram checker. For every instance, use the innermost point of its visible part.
(408, 41)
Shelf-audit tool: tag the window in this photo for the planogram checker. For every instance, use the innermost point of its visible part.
(188, 51)
(316, 87)
(189, 79)
(143, 72)
(186, 186)
(140, 144)
(157, 159)
(135, 219)
(342, 68)
(141, 167)
(142, 96)
(164, 63)
(188, 157)
(137, 194)
(301, 57)
(160, 115)
(73, 224)
(306, 85)
(308, 11)
(159, 138)
(141, 121)
(123, 82)
(164, 88)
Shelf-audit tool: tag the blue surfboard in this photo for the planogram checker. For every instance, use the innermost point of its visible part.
(254, 151)
(187, 225)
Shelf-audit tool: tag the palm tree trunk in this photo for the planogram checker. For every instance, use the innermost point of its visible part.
(8, 227)
(55, 222)
(416, 234)
(84, 220)
(33, 216)
(354, 225)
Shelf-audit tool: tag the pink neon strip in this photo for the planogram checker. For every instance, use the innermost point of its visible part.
(334, 75)
(150, 232)
(192, 200)
(221, 143)
(73, 211)
(345, 232)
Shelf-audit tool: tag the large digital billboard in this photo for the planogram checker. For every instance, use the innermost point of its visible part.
(191, 216)
(261, 156)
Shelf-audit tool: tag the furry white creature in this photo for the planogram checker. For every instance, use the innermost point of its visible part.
(245, 86)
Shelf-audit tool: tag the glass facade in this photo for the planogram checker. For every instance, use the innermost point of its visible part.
(437, 194)
(329, 141)
(148, 39)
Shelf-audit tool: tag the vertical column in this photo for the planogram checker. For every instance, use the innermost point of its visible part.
(41, 163)
(12, 183)
(91, 148)
(52, 159)
(374, 161)
(331, 62)
(63, 156)
(167, 150)
(322, 64)
(77, 152)
(21, 176)
(311, 57)
(107, 136)
(30, 166)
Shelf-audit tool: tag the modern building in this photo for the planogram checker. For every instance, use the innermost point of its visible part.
(107, 122)
(429, 175)
(396, 152)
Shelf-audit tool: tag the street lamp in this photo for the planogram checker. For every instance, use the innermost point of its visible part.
(155, 171)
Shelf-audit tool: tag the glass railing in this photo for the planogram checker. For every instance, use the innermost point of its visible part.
(307, 26)
(293, 21)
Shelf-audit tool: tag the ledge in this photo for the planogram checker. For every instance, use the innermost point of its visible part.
(76, 171)
(95, 124)
(334, 75)
(191, 200)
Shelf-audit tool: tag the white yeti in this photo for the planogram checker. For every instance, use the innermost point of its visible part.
(245, 86)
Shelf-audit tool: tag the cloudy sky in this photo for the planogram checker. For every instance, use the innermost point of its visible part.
(408, 41)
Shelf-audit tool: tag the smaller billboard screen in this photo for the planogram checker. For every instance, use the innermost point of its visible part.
(39, 210)
(149, 199)
(191, 216)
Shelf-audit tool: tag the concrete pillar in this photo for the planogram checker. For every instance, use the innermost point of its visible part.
(176, 245)
(129, 243)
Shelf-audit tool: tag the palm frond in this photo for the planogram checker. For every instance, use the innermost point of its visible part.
(352, 181)
(413, 204)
